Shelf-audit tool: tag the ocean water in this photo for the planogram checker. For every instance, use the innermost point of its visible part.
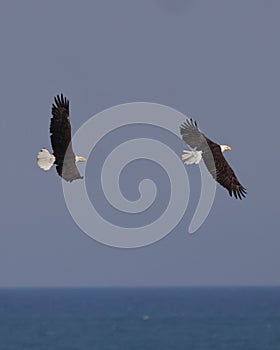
(140, 318)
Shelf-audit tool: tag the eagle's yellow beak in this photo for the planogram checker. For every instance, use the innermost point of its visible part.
(228, 148)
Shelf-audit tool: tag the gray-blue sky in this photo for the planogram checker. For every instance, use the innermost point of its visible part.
(217, 62)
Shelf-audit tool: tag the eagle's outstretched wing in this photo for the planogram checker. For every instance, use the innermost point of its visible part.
(60, 130)
(221, 170)
(192, 136)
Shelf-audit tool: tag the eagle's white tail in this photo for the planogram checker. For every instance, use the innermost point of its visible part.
(45, 160)
(191, 157)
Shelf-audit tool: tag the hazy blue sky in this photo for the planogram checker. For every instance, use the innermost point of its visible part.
(216, 61)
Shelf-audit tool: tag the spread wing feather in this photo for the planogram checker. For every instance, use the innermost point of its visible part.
(60, 130)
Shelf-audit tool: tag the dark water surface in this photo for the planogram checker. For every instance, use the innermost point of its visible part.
(140, 318)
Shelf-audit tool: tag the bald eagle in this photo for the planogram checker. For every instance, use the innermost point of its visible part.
(212, 154)
(60, 130)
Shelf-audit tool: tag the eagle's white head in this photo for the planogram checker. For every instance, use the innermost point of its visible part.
(80, 159)
(225, 148)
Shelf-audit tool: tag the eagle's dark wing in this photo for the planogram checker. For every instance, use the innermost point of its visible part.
(213, 158)
(68, 171)
(60, 130)
(221, 170)
(192, 136)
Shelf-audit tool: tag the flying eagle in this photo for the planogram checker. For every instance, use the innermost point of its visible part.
(212, 154)
(60, 130)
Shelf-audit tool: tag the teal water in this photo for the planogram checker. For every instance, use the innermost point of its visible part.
(144, 318)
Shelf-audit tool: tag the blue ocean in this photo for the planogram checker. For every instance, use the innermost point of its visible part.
(140, 319)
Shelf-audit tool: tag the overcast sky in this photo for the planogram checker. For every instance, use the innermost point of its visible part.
(216, 61)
